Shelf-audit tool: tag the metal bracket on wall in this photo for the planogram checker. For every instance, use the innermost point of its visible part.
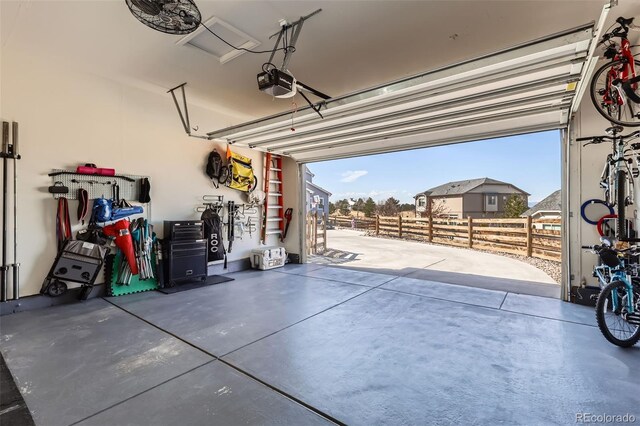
(184, 115)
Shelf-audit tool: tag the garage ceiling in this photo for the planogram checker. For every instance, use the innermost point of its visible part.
(350, 46)
(524, 89)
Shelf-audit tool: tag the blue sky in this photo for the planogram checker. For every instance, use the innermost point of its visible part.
(531, 162)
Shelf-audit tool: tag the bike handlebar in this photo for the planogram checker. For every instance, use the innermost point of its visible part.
(622, 31)
(600, 139)
(597, 248)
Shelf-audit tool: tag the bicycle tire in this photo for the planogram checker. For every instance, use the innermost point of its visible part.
(253, 185)
(621, 180)
(602, 324)
(587, 203)
(225, 176)
(600, 224)
(597, 97)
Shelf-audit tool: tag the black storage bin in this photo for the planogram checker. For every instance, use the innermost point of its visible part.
(187, 261)
(183, 230)
(185, 250)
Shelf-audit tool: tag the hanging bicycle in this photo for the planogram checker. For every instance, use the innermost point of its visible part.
(614, 86)
(617, 175)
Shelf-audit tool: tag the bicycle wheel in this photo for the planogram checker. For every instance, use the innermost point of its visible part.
(253, 185)
(605, 95)
(225, 176)
(621, 180)
(613, 326)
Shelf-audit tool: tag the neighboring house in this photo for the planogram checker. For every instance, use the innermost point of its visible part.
(477, 198)
(317, 197)
(549, 208)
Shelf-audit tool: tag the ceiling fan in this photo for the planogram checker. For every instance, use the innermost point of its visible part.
(167, 16)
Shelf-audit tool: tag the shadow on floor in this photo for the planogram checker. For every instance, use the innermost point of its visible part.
(470, 280)
(13, 409)
(333, 257)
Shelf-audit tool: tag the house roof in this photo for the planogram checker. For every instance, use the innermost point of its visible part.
(310, 183)
(319, 188)
(463, 186)
(553, 203)
(309, 171)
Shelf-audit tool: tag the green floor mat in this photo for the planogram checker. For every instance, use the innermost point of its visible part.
(136, 286)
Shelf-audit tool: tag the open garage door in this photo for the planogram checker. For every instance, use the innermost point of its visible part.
(528, 88)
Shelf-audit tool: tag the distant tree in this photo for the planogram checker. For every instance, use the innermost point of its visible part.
(343, 207)
(407, 207)
(390, 207)
(332, 208)
(359, 205)
(369, 207)
(514, 206)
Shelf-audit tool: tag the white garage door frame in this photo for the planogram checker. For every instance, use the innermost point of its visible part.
(529, 88)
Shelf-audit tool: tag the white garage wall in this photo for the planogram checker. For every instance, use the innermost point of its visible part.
(69, 118)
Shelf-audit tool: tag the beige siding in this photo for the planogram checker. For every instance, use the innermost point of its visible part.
(453, 205)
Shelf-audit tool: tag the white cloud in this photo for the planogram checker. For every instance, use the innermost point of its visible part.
(353, 175)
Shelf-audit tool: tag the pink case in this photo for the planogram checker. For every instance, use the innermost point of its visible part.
(95, 171)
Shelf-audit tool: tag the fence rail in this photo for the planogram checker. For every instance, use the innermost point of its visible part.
(523, 236)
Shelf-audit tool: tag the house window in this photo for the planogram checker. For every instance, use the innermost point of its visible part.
(492, 200)
(422, 202)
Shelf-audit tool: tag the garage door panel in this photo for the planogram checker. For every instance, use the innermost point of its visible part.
(462, 124)
(508, 127)
(456, 116)
(513, 91)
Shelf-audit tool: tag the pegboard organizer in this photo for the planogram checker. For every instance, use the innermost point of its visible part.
(97, 186)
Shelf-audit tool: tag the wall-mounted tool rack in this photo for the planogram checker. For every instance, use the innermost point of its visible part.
(97, 185)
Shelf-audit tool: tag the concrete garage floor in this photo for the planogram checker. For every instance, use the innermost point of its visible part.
(310, 344)
(436, 263)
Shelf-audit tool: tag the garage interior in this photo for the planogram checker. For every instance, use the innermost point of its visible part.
(301, 343)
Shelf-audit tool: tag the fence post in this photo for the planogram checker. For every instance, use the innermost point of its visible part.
(529, 236)
(470, 231)
(315, 233)
(377, 224)
(324, 234)
(430, 228)
(310, 233)
(399, 226)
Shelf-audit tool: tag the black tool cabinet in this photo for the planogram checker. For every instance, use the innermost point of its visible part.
(186, 251)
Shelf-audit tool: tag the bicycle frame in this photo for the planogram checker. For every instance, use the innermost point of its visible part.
(616, 76)
(620, 274)
(606, 181)
(608, 176)
(621, 163)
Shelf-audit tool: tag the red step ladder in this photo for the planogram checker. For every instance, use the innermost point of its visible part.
(273, 210)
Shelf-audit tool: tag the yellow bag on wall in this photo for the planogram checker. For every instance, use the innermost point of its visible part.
(242, 177)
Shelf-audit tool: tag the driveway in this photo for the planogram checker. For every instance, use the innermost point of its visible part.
(353, 249)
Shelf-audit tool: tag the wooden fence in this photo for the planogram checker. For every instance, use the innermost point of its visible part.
(522, 236)
(316, 233)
